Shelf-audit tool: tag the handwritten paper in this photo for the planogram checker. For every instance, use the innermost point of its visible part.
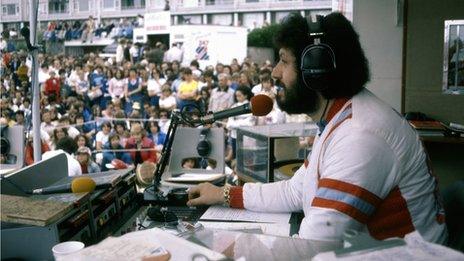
(231, 214)
(145, 243)
(415, 249)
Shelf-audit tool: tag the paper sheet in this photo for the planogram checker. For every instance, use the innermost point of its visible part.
(281, 229)
(195, 177)
(231, 214)
(135, 245)
(415, 249)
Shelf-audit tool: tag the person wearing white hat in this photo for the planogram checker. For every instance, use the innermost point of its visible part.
(83, 155)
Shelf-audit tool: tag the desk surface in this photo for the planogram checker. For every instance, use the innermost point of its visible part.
(439, 139)
(31, 211)
(233, 244)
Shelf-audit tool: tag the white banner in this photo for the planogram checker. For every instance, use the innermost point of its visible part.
(157, 23)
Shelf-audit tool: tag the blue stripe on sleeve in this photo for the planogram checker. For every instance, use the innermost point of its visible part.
(336, 195)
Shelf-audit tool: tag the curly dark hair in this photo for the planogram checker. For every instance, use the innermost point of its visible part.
(352, 71)
(67, 144)
(245, 91)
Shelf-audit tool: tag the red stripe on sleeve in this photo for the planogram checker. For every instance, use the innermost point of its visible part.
(392, 217)
(236, 197)
(354, 190)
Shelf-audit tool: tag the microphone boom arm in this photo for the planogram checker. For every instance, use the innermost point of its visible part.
(152, 193)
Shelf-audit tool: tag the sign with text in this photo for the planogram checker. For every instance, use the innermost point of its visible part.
(158, 22)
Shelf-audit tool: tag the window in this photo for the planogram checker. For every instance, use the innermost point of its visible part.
(58, 6)
(83, 5)
(132, 4)
(453, 65)
(108, 4)
(10, 9)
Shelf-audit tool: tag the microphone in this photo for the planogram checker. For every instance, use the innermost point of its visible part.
(259, 105)
(77, 185)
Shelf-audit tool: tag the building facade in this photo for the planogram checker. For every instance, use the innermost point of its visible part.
(248, 13)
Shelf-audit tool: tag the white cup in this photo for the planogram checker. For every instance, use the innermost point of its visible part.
(62, 249)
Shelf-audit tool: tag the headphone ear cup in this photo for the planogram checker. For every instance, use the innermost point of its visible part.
(317, 66)
(204, 146)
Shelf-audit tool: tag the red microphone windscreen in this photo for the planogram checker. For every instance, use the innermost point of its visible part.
(261, 105)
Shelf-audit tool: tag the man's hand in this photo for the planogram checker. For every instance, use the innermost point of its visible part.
(205, 194)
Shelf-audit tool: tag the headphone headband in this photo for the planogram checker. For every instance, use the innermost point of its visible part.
(317, 59)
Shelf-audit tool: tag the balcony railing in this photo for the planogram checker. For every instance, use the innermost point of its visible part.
(245, 5)
(51, 11)
(177, 7)
(132, 7)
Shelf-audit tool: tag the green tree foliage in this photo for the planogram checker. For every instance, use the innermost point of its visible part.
(262, 37)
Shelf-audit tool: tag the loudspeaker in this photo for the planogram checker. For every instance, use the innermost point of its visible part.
(204, 146)
(317, 59)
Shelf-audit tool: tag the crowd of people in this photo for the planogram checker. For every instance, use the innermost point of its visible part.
(120, 108)
(79, 30)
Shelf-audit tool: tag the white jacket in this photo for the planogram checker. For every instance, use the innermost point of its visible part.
(373, 176)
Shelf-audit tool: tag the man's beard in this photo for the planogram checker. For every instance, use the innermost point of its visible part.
(298, 98)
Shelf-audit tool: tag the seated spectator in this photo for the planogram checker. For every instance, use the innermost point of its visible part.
(133, 90)
(167, 100)
(83, 156)
(189, 163)
(109, 156)
(203, 101)
(242, 96)
(222, 97)
(164, 121)
(82, 141)
(52, 86)
(154, 85)
(139, 141)
(187, 90)
(89, 27)
(116, 86)
(263, 74)
(58, 134)
(82, 85)
(103, 135)
(97, 87)
(19, 118)
(156, 135)
(47, 124)
(72, 131)
(120, 128)
(267, 87)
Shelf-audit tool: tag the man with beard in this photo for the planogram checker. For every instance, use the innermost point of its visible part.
(367, 171)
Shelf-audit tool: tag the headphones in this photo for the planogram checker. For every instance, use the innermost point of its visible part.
(4, 142)
(204, 146)
(317, 59)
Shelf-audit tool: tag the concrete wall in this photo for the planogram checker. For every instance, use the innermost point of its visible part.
(260, 55)
(424, 59)
(382, 40)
